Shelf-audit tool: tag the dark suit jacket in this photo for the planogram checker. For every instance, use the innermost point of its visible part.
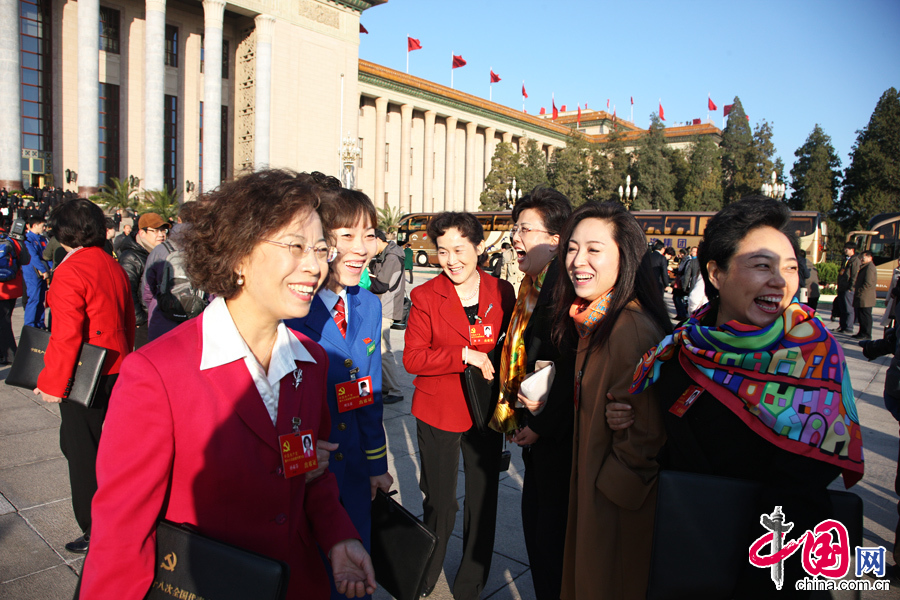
(660, 270)
(864, 296)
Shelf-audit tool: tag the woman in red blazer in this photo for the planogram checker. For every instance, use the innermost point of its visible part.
(91, 303)
(199, 416)
(455, 320)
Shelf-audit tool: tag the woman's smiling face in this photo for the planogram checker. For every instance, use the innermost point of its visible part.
(592, 258)
(356, 247)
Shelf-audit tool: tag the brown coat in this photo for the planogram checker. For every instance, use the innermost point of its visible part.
(613, 491)
(864, 296)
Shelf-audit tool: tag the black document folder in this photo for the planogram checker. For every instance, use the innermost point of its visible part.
(402, 548)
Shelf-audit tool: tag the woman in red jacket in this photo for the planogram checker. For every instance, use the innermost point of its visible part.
(91, 303)
(455, 320)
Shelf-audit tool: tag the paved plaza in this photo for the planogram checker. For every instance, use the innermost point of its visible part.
(36, 517)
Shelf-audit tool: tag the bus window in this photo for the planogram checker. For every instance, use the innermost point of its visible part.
(885, 246)
(803, 226)
(652, 224)
(487, 222)
(419, 223)
(503, 222)
(679, 225)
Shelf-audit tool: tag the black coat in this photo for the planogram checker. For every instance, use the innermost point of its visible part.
(133, 259)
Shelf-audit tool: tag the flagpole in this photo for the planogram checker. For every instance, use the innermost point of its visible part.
(523, 96)
(491, 87)
(708, 98)
(451, 69)
(407, 54)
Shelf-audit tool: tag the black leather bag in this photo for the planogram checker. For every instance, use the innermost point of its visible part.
(204, 567)
(481, 394)
(402, 548)
(29, 363)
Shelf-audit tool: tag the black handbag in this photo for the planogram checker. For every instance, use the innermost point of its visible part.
(29, 362)
(402, 548)
(204, 567)
(481, 394)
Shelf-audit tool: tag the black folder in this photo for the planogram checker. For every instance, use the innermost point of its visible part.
(402, 548)
(29, 363)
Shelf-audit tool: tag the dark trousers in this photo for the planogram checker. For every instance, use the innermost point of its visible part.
(439, 452)
(545, 507)
(864, 318)
(847, 311)
(141, 335)
(681, 306)
(79, 438)
(7, 337)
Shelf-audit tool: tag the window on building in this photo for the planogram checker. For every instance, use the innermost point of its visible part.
(387, 157)
(36, 75)
(387, 117)
(361, 153)
(108, 165)
(171, 46)
(223, 146)
(200, 174)
(170, 141)
(411, 154)
(109, 30)
(386, 199)
(225, 61)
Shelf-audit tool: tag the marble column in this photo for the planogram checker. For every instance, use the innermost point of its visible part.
(450, 166)
(507, 138)
(489, 134)
(406, 111)
(265, 26)
(88, 97)
(11, 99)
(213, 12)
(428, 163)
(470, 203)
(154, 93)
(381, 105)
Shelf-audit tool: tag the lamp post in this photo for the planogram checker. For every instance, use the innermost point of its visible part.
(71, 176)
(773, 190)
(349, 155)
(512, 194)
(628, 194)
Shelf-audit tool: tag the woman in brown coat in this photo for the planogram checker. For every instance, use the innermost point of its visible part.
(617, 314)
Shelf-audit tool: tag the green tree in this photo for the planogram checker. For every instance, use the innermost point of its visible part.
(816, 174)
(162, 202)
(569, 171)
(872, 181)
(118, 194)
(532, 167)
(760, 163)
(681, 170)
(389, 219)
(611, 164)
(504, 167)
(703, 188)
(737, 140)
(653, 170)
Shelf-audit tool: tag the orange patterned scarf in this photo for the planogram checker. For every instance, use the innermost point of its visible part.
(587, 315)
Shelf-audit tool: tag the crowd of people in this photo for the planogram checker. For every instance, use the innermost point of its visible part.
(264, 313)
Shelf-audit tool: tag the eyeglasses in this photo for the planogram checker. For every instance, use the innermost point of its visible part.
(326, 253)
(522, 230)
(161, 230)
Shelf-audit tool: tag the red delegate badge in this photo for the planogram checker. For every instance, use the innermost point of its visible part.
(685, 401)
(354, 394)
(481, 334)
(298, 453)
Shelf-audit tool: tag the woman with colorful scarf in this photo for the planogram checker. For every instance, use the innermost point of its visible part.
(774, 402)
(542, 429)
(612, 306)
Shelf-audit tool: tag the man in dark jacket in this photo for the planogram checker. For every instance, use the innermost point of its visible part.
(660, 267)
(133, 253)
(389, 285)
(864, 295)
(845, 288)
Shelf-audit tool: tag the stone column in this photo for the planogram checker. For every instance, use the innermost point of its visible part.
(406, 111)
(469, 200)
(450, 166)
(489, 134)
(428, 163)
(381, 105)
(213, 11)
(154, 93)
(11, 99)
(265, 26)
(507, 138)
(88, 97)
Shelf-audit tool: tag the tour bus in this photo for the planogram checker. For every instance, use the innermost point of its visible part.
(675, 229)
(883, 239)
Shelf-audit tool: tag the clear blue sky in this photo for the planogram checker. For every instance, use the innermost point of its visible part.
(793, 63)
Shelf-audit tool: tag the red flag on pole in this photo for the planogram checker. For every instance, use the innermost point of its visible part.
(710, 104)
(607, 105)
(579, 115)
(662, 114)
(458, 62)
(543, 111)
(632, 100)
(727, 108)
(555, 112)
(494, 77)
(412, 44)
(524, 93)
(563, 108)
(363, 29)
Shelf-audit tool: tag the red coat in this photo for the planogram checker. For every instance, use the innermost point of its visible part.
(436, 333)
(14, 287)
(90, 302)
(207, 438)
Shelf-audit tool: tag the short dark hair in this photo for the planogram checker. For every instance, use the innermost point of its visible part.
(552, 205)
(380, 235)
(868, 253)
(79, 223)
(467, 224)
(344, 208)
(34, 220)
(110, 224)
(850, 246)
(231, 220)
(658, 245)
(729, 226)
(634, 281)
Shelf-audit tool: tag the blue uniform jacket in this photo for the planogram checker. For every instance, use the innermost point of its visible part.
(363, 447)
(36, 244)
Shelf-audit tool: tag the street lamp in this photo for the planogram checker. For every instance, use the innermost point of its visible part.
(349, 155)
(628, 194)
(71, 176)
(773, 190)
(512, 194)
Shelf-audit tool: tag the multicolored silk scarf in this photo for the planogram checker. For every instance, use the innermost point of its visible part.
(513, 361)
(788, 382)
(587, 315)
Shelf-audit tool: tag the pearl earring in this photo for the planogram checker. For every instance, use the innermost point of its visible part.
(240, 279)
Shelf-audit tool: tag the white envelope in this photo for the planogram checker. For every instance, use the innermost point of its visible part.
(536, 386)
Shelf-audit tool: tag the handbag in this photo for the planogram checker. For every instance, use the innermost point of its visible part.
(29, 362)
(402, 548)
(481, 394)
(204, 567)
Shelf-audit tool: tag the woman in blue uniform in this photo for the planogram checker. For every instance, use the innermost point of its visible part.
(346, 321)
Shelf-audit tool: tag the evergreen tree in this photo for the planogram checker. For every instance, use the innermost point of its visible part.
(570, 169)
(737, 141)
(504, 165)
(872, 181)
(760, 164)
(610, 167)
(532, 168)
(703, 189)
(681, 170)
(816, 175)
(653, 171)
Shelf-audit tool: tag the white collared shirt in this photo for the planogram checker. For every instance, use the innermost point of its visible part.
(330, 299)
(223, 344)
